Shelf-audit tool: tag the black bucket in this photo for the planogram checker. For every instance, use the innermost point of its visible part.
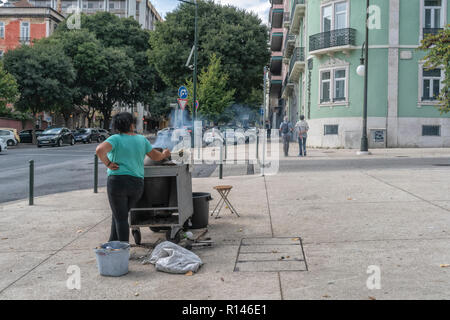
(200, 217)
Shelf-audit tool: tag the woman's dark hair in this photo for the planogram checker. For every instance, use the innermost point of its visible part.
(122, 122)
(302, 117)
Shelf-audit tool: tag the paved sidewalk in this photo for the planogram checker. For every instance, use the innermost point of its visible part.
(396, 220)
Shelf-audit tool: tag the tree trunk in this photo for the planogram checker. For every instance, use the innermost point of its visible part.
(66, 120)
(106, 119)
(33, 133)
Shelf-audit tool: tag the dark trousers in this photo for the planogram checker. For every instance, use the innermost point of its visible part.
(286, 139)
(123, 193)
(302, 146)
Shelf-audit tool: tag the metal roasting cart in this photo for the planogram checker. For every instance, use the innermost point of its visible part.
(166, 203)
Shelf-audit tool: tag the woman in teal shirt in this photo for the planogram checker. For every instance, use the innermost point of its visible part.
(123, 154)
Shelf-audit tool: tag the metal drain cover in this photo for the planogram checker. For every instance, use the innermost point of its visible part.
(271, 255)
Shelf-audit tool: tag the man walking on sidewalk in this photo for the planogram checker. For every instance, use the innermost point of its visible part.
(302, 127)
(286, 129)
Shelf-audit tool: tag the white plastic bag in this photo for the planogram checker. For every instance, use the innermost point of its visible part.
(170, 257)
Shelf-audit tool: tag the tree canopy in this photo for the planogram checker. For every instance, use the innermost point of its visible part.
(212, 91)
(109, 55)
(237, 37)
(438, 55)
(8, 88)
(44, 75)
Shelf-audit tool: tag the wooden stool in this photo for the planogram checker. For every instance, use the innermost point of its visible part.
(224, 191)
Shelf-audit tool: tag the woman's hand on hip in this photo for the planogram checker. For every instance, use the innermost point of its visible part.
(113, 166)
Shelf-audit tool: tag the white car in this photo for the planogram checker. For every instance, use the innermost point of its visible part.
(9, 137)
(3, 145)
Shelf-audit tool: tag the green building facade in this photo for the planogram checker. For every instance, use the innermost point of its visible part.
(321, 52)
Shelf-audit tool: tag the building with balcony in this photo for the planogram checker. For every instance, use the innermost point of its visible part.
(279, 20)
(321, 51)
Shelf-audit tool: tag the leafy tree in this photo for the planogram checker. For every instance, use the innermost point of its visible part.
(45, 77)
(110, 56)
(113, 86)
(237, 37)
(8, 89)
(438, 47)
(213, 94)
(159, 106)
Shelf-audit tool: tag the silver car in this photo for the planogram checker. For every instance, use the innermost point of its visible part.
(3, 145)
(9, 137)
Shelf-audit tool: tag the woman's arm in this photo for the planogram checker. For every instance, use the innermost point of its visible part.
(102, 153)
(155, 155)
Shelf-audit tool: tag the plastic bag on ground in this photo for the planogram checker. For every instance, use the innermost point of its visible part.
(170, 257)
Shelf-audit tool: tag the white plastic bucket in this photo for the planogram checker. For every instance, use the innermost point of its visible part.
(112, 258)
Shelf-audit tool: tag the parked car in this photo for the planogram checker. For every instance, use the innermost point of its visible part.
(104, 134)
(26, 136)
(3, 145)
(213, 136)
(55, 137)
(251, 134)
(16, 135)
(9, 137)
(87, 135)
(233, 135)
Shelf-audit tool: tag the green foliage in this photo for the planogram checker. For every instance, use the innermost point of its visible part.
(237, 37)
(213, 95)
(160, 103)
(44, 75)
(8, 89)
(438, 47)
(110, 57)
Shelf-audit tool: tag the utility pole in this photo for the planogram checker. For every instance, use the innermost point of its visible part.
(195, 3)
(195, 59)
(364, 139)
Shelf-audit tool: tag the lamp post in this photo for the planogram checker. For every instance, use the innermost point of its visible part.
(363, 70)
(195, 3)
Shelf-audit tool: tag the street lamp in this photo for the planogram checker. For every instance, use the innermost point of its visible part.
(195, 60)
(363, 70)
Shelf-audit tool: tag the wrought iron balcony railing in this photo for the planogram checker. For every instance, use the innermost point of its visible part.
(334, 38)
(287, 86)
(431, 31)
(297, 56)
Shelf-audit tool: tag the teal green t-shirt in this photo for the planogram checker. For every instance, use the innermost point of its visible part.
(129, 153)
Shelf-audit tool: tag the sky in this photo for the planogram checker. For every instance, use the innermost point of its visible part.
(260, 7)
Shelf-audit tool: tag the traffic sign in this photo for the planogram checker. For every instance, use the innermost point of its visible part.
(183, 92)
(261, 111)
(182, 103)
(196, 105)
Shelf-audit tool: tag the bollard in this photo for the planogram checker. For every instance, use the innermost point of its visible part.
(221, 162)
(257, 145)
(31, 185)
(95, 174)
(226, 142)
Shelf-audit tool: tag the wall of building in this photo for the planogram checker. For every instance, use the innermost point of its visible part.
(15, 124)
(394, 92)
(38, 30)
